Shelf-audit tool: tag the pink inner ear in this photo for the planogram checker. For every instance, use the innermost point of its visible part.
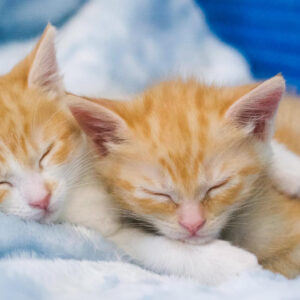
(256, 110)
(44, 71)
(260, 112)
(98, 126)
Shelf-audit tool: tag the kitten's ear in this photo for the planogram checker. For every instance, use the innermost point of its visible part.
(39, 68)
(104, 127)
(256, 110)
(43, 70)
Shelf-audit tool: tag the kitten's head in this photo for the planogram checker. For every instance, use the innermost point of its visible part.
(41, 144)
(182, 157)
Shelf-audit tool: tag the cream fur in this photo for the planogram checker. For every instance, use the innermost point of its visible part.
(285, 170)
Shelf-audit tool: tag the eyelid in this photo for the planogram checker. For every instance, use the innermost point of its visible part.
(6, 182)
(45, 154)
(218, 184)
(158, 194)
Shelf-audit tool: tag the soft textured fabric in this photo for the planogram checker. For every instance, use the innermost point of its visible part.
(68, 262)
(112, 48)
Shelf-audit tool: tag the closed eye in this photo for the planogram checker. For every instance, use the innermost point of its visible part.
(45, 155)
(218, 185)
(7, 183)
(158, 194)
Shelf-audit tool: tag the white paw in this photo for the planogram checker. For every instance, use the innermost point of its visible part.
(230, 261)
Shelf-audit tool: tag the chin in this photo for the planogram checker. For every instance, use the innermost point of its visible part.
(198, 239)
(44, 217)
(49, 217)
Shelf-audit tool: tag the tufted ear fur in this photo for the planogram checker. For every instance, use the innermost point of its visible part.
(39, 68)
(256, 110)
(43, 72)
(101, 124)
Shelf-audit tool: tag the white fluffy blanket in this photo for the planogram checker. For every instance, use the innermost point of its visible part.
(114, 47)
(68, 262)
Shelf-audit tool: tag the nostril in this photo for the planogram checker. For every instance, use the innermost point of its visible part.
(42, 203)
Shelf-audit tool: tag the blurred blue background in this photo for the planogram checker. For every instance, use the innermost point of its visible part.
(266, 32)
(21, 19)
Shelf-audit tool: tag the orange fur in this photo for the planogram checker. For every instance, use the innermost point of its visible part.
(176, 115)
(28, 114)
(38, 134)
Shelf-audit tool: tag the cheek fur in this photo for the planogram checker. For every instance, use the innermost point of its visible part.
(3, 194)
(146, 206)
(125, 196)
(149, 206)
(61, 154)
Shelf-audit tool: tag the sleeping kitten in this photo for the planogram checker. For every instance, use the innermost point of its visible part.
(45, 159)
(42, 150)
(183, 159)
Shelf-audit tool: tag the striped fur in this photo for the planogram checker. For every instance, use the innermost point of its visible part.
(177, 148)
(41, 145)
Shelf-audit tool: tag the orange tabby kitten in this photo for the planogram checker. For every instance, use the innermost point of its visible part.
(40, 143)
(44, 158)
(185, 159)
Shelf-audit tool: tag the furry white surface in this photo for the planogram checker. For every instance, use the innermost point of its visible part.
(67, 262)
(113, 48)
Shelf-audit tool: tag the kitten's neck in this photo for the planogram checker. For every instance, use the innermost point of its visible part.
(89, 204)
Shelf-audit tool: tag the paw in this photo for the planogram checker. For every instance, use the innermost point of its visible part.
(231, 261)
(239, 259)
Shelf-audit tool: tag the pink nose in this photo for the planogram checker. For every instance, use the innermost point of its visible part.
(192, 228)
(42, 203)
